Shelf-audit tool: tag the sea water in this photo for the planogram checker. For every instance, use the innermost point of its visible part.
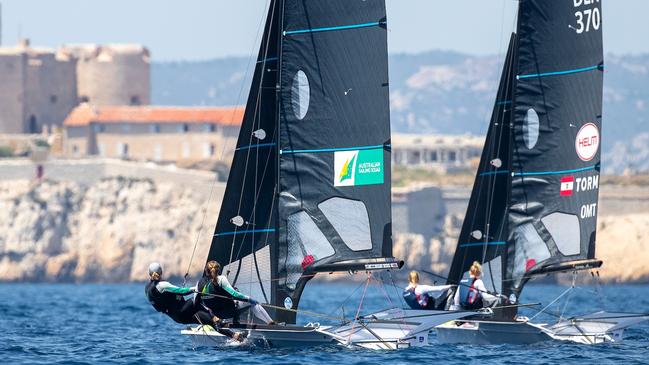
(79, 324)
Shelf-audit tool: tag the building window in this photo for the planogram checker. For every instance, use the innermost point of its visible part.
(186, 150)
(53, 99)
(414, 158)
(157, 152)
(126, 128)
(452, 156)
(100, 128)
(75, 149)
(208, 149)
(183, 128)
(122, 150)
(135, 100)
(210, 128)
(33, 124)
(84, 99)
(432, 156)
(154, 128)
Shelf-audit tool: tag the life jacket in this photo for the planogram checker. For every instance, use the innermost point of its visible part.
(411, 298)
(162, 302)
(220, 301)
(469, 296)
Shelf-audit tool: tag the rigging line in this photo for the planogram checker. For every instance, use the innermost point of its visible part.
(552, 302)
(255, 117)
(200, 230)
(223, 148)
(360, 305)
(346, 300)
(299, 311)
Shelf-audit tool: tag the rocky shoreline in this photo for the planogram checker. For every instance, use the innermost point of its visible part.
(110, 230)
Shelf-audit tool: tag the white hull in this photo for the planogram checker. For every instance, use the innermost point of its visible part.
(266, 336)
(394, 328)
(596, 328)
(387, 330)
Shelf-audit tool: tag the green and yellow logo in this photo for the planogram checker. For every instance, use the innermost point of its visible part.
(347, 171)
(358, 167)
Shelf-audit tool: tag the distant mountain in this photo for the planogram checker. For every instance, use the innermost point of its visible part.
(436, 92)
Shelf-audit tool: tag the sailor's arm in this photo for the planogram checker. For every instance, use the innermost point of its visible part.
(225, 284)
(167, 287)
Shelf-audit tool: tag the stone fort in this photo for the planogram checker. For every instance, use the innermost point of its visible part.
(40, 86)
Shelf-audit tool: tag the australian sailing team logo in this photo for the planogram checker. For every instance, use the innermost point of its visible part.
(358, 167)
(587, 142)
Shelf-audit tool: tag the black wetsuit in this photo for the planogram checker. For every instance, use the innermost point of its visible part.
(168, 299)
(219, 301)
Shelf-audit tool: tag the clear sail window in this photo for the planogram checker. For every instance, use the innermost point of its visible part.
(349, 218)
(300, 94)
(306, 245)
(565, 232)
(252, 274)
(531, 128)
(531, 250)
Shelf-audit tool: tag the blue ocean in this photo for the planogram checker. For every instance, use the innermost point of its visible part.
(87, 324)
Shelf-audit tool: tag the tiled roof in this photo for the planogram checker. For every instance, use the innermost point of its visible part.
(85, 114)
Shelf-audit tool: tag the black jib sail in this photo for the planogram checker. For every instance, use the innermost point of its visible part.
(245, 229)
(484, 230)
(314, 195)
(553, 172)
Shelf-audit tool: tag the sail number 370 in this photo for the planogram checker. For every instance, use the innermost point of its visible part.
(587, 19)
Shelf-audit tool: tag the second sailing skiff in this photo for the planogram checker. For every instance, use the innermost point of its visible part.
(533, 209)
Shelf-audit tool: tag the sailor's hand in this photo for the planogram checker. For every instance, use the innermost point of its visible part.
(252, 301)
(216, 320)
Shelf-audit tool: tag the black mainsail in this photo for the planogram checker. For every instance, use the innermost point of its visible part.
(314, 194)
(548, 223)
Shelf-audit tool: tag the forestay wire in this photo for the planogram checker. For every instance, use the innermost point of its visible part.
(223, 149)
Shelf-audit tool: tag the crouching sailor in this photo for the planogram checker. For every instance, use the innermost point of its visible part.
(419, 296)
(471, 293)
(169, 299)
(223, 300)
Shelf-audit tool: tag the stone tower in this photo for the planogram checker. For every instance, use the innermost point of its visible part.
(112, 74)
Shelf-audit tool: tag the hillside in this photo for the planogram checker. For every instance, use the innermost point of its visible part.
(430, 93)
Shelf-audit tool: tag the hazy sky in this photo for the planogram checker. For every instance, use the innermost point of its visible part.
(204, 29)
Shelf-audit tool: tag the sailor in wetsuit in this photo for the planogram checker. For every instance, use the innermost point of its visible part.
(419, 296)
(223, 300)
(471, 293)
(169, 299)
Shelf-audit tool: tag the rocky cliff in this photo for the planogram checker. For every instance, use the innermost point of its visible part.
(110, 231)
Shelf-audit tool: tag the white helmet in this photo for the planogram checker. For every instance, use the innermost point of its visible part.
(155, 267)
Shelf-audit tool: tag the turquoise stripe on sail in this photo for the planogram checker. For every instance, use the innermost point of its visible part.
(260, 145)
(283, 152)
(244, 232)
(327, 29)
(558, 73)
(560, 172)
